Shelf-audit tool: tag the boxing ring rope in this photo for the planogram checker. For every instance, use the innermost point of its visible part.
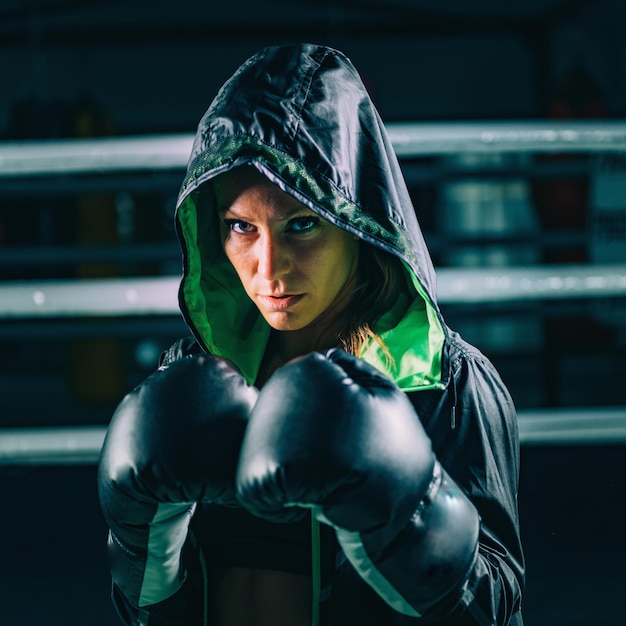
(38, 299)
(158, 295)
(81, 445)
(411, 139)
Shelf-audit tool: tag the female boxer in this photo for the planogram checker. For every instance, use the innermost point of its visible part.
(323, 449)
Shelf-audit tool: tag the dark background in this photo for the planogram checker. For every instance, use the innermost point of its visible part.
(72, 69)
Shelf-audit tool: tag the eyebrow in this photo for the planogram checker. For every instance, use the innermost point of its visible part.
(286, 216)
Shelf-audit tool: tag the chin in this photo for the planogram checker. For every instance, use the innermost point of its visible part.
(279, 322)
(283, 322)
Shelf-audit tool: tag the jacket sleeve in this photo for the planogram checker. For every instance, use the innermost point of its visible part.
(474, 431)
(186, 606)
(180, 348)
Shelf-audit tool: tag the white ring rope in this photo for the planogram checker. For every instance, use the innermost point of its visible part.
(81, 445)
(409, 139)
(158, 295)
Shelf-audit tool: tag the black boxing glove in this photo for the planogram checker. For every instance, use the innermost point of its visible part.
(172, 442)
(332, 434)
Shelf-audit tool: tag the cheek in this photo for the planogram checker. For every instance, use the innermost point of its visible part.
(238, 259)
(349, 257)
(340, 264)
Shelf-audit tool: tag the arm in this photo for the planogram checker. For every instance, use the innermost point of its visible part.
(173, 441)
(358, 456)
(474, 431)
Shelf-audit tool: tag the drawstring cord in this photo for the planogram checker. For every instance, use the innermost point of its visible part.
(205, 578)
(315, 570)
(453, 412)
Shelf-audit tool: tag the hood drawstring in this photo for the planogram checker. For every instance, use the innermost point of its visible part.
(453, 412)
(205, 577)
(315, 570)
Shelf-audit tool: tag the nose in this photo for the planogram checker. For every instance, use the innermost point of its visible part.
(273, 257)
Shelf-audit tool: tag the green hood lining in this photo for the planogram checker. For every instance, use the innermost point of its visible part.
(224, 319)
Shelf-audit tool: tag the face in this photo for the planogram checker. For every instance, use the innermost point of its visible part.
(294, 265)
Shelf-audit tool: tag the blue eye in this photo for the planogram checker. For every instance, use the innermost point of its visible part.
(238, 226)
(302, 224)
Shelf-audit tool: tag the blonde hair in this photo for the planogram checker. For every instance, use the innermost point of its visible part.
(379, 283)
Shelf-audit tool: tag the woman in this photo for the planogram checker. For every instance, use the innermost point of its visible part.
(324, 450)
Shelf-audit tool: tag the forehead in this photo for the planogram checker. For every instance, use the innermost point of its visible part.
(239, 177)
(245, 189)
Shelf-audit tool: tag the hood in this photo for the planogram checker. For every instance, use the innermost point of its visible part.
(302, 116)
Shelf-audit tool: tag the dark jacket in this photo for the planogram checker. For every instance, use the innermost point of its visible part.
(301, 116)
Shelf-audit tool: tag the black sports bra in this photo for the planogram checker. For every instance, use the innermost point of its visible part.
(230, 536)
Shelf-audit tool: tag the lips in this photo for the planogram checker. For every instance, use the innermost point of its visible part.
(279, 303)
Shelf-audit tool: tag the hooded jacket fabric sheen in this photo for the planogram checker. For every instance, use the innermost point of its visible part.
(302, 117)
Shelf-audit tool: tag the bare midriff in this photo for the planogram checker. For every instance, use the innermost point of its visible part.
(242, 596)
